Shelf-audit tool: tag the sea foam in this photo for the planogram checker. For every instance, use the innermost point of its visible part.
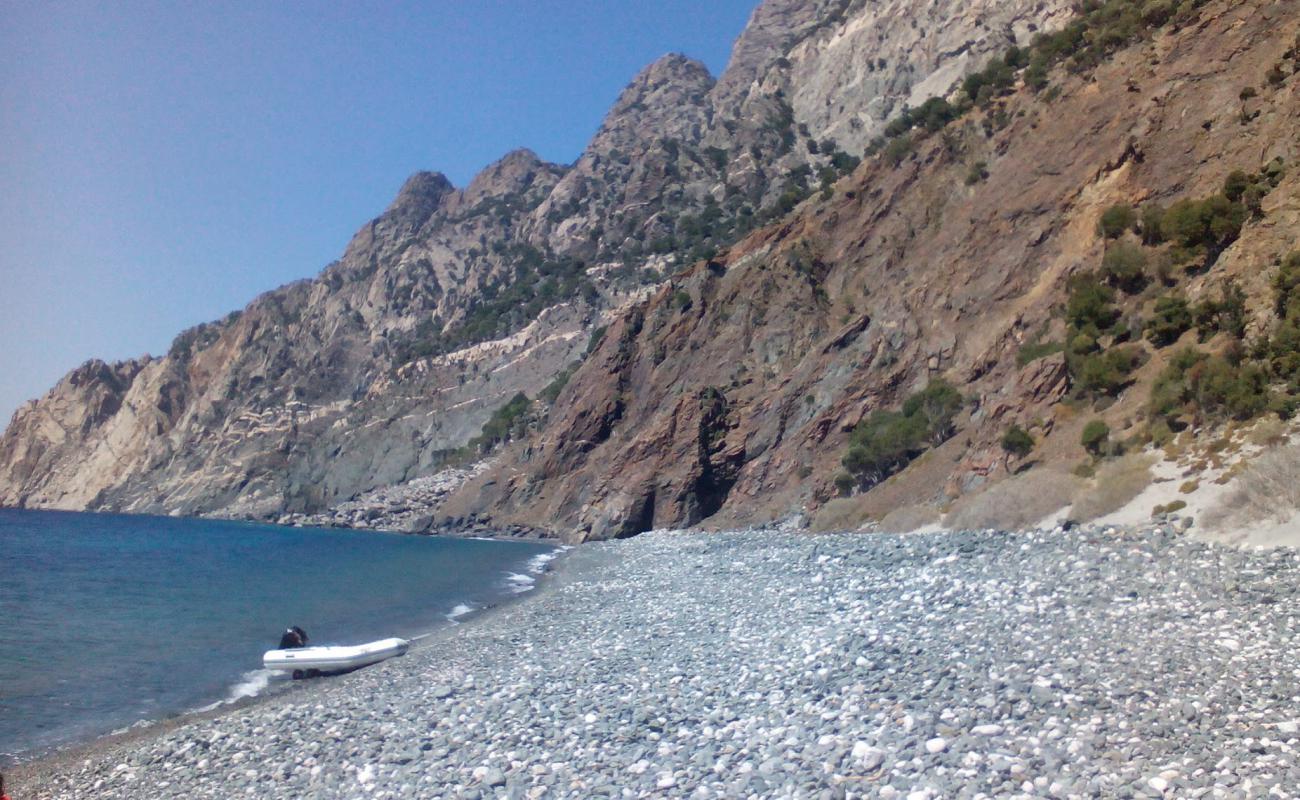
(458, 612)
(520, 583)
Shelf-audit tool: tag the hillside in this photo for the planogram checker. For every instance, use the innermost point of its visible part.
(455, 301)
(1103, 240)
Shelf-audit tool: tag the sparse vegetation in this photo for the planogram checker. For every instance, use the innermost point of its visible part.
(1172, 318)
(1268, 488)
(1095, 437)
(886, 441)
(506, 423)
(1018, 502)
(1017, 442)
(1116, 221)
(1115, 484)
(1124, 267)
(1034, 350)
(553, 389)
(1169, 508)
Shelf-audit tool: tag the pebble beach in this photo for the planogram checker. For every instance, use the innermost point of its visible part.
(1094, 662)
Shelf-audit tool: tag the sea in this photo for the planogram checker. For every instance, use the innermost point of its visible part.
(112, 621)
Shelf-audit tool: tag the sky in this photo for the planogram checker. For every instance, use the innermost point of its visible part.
(163, 163)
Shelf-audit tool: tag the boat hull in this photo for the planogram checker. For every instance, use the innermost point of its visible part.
(334, 658)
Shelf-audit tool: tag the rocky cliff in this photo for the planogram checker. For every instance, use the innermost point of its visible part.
(731, 393)
(455, 300)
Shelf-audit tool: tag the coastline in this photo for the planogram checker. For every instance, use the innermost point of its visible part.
(64, 755)
(1081, 663)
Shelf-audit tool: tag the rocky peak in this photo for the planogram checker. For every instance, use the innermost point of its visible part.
(672, 71)
(513, 174)
(772, 30)
(660, 97)
(421, 195)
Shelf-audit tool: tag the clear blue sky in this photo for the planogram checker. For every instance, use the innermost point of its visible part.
(163, 163)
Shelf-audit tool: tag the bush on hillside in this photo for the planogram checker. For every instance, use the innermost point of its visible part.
(1117, 220)
(1105, 373)
(1124, 267)
(1017, 442)
(506, 423)
(1236, 184)
(1090, 307)
(1095, 437)
(1213, 223)
(886, 441)
(1172, 318)
(1152, 226)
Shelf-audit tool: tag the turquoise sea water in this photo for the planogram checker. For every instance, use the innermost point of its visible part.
(109, 620)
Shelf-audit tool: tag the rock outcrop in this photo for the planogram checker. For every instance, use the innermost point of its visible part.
(729, 395)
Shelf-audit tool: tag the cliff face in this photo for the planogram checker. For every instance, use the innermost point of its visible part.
(453, 300)
(730, 394)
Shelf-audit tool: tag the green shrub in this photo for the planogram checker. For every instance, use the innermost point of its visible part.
(1116, 220)
(1170, 393)
(1286, 298)
(1090, 306)
(1221, 389)
(1209, 387)
(1213, 223)
(1253, 199)
(506, 423)
(886, 441)
(937, 405)
(996, 78)
(1017, 441)
(553, 389)
(898, 150)
(1227, 313)
(1124, 266)
(682, 300)
(1032, 351)
(978, 172)
(1095, 437)
(1232, 309)
(1283, 351)
(844, 163)
(1235, 185)
(844, 484)
(1153, 218)
(596, 336)
(1105, 373)
(882, 444)
(1172, 319)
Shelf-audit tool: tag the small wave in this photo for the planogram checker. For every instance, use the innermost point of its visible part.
(134, 726)
(520, 583)
(458, 612)
(251, 684)
(542, 562)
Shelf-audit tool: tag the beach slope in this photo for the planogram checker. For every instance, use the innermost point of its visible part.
(765, 663)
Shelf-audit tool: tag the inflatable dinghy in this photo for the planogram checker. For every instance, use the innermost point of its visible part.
(306, 662)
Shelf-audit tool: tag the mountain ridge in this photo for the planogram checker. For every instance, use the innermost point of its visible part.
(373, 372)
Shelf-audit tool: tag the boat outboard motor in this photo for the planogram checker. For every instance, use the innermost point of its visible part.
(292, 638)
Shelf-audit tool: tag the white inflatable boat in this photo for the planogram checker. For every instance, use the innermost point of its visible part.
(309, 661)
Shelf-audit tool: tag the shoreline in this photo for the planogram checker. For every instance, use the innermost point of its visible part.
(61, 756)
(1000, 663)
